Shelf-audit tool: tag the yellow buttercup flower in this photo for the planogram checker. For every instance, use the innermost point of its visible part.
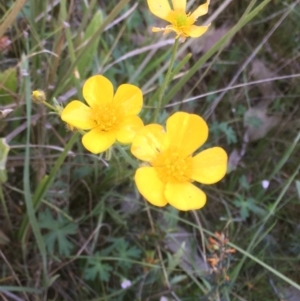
(181, 22)
(109, 117)
(170, 170)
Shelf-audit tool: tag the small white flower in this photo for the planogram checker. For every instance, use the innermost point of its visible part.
(125, 283)
(265, 184)
(163, 298)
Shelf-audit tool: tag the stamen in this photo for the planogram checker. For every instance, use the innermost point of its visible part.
(107, 117)
(170, 167)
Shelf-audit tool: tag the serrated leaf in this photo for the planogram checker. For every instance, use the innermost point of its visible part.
(95, 268)
(175, 260)
(122, 250)
(224, 128)
(243, 182)
(58, 229)
(247, 205)
(171, 216)
(242, 204)
(8, 83)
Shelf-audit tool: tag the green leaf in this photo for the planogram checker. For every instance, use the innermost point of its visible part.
(124, 252)
(223, 128)
(243, 182)
(247, 205)
(171, 216)
(4, 149)
(95, 268)
(58, 229)
(8, 83)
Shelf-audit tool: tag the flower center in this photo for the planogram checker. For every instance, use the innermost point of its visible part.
(107, 117)
(170, 167)
(181, 20)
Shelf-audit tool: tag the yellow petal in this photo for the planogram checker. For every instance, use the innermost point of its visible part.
(150, 186)
(159, 8)
(129, 98)
(186, 132)
(78, 115)
(201, 10)
(209, 166)
(185, 196)
(128, 129)
(97, 141)
(148, 142)
(98, 90)
(179, 5)
(195, 31)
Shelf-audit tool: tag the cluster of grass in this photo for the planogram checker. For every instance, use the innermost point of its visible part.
(73, 226)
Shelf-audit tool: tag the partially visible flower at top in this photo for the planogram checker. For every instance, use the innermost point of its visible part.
(170, 170)
(38, 96)
(109, 117)
(182, 23)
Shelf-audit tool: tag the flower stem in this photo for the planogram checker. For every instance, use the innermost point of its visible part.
(50, 106)
(166, 80)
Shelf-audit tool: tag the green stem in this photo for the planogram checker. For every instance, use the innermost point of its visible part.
(50, 107)
(166, 80)
(26, 171)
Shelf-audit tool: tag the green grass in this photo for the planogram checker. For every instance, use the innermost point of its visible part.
(73, 226)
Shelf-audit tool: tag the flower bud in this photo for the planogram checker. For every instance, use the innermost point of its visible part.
(38, 96)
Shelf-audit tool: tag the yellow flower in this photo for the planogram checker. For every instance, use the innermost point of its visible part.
(181, 22)
(108, 117)
(171, 168)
